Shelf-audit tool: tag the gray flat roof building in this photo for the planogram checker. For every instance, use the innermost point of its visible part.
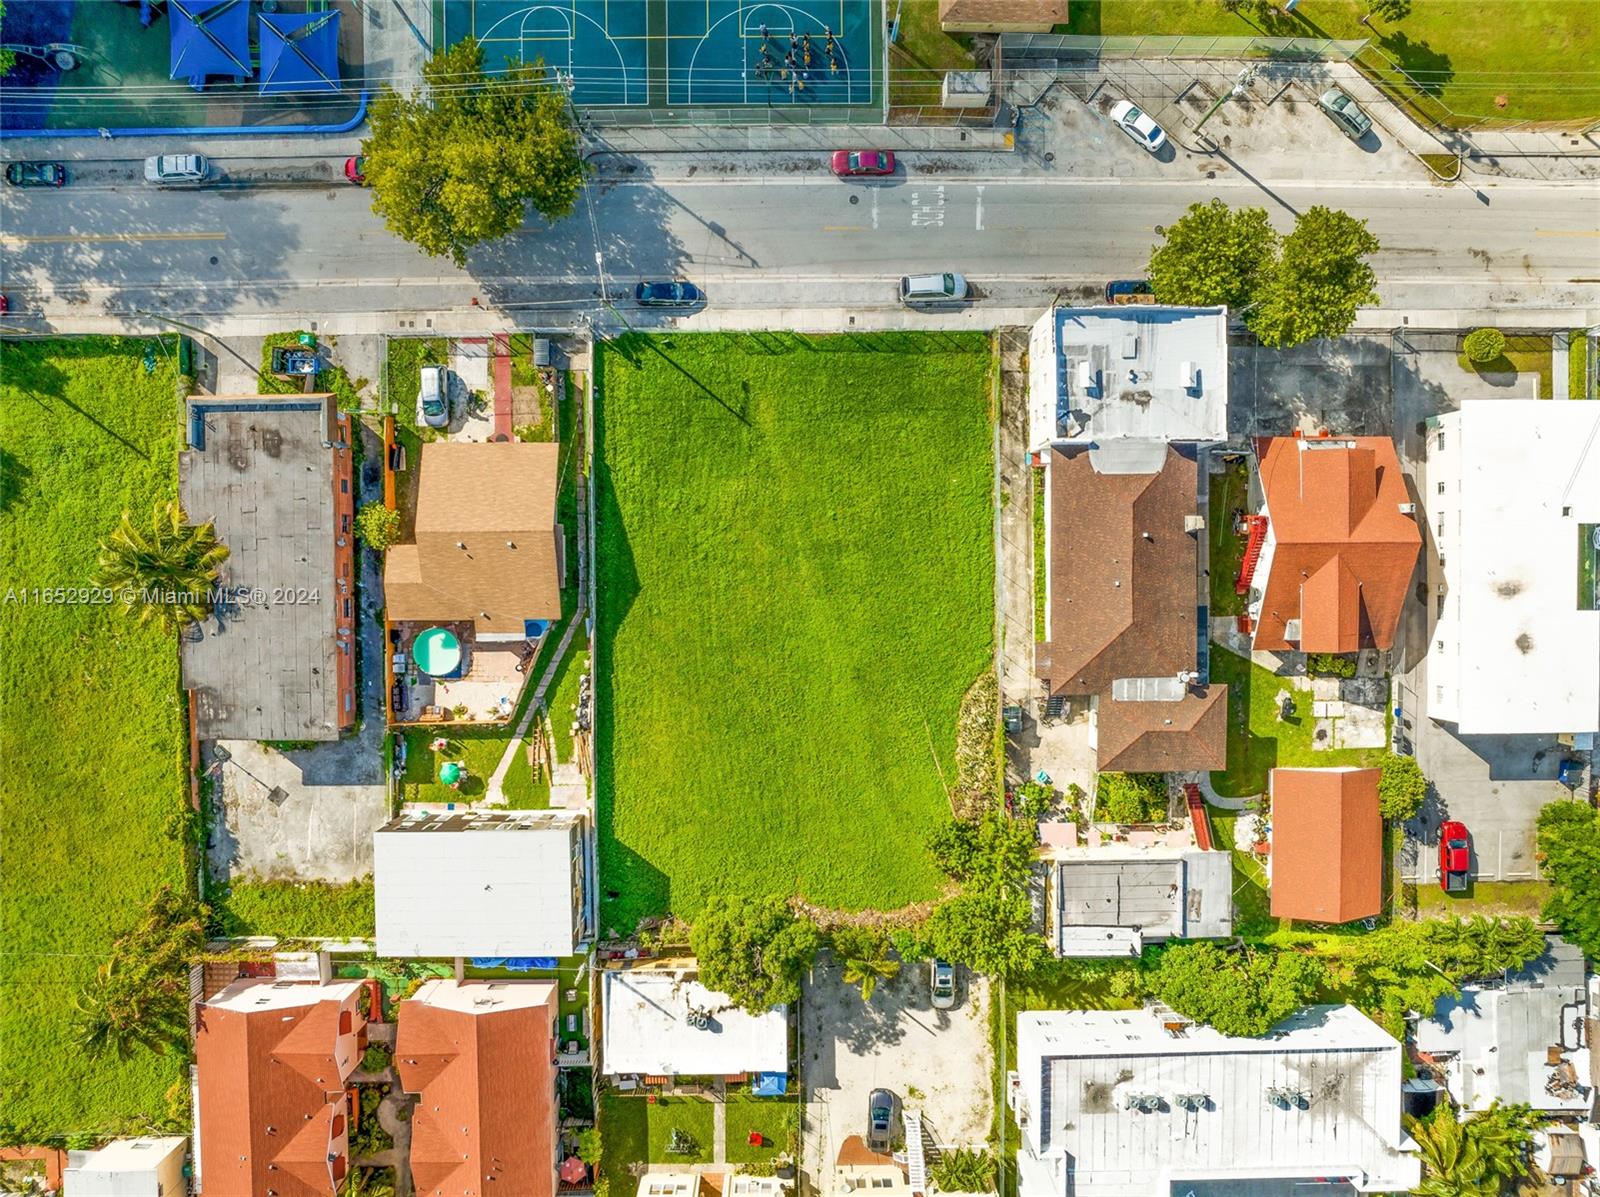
(274, 660)
(1108, 905)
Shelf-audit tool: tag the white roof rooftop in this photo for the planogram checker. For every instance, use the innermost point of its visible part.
(647, 1028)
(123, 1168)
(1319, 1097)
(1526, 658)
(1499, 1039)
(1139, 372)
(478, 884)
(259, 993)
(1156, 894)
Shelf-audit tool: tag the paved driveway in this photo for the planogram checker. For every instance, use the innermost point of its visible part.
(1342, 385)
(936, 1061)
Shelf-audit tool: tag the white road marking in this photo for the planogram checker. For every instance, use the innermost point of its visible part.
(874, 207)
(980, 208)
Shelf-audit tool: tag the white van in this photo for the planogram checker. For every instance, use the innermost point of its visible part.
(932, 288)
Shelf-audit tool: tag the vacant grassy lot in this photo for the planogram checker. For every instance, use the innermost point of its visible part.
(796, 588)
(1257, 739)
(92, 794)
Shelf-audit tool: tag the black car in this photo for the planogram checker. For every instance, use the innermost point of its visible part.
(668, 295)
(1129, 290)
(36, 174)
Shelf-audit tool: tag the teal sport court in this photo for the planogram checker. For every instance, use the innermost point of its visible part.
(687, 53)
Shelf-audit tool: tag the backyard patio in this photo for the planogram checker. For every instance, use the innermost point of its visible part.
(445, 673)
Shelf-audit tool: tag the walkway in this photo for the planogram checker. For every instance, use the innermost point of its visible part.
(502, 387)
(496, 795)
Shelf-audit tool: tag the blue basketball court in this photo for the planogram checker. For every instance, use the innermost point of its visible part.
(686, 53)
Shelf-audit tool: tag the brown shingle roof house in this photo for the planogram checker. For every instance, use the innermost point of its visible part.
(272, 1058)
(1340, 550)
(487, 548)
(1327, 844)
(480, 1055)
(1000, 16)
(1123, 599)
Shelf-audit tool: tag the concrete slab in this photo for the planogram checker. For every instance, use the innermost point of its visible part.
(1343, 386)
(1360, 727)
(937, 1062)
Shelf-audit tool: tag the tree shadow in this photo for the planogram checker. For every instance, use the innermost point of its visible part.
(14, 476)
(1429, 68)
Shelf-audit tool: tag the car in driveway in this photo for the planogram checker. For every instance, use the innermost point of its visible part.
(849, 164)
(1455, 856)
(355, 169)
(433, 398)
(942, 984)
(36, 174)
(676, 294)
(882, 1106)
(1346, 113)
(1137, 124)
(176, 168)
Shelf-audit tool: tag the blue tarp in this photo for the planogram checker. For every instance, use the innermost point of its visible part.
(770, 1084)
(299, 51)
(210, 37)
(515, 964)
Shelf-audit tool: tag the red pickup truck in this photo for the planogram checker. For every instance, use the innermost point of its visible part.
(1455, 857)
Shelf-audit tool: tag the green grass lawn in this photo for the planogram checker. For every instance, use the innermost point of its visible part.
(92, 743)
(772, 1118)
(1252, 904)
(918, 60)
(1257, 739)
(1577, 364)
(796, 588)
(1524, 355)
(564, 693)
(1485, 897)
(1527, 53)
(1230, 492)
(295, 910)
(333, 380)
(635, 1130)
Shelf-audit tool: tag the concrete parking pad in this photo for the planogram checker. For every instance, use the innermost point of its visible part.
(936, 1061)
(1341, 385)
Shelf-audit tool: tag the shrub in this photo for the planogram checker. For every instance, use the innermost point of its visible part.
(376, 526)
(1238, 993)
(1402, 787)
(964, 1171)
(376, 1057)
(755, 950)
(1484, 344)
(1330, 665)
(1131, 798)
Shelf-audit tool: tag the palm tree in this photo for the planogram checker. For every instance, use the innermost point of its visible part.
(865, 956)
(1474, 1158)
(163, 572)
(122, 1013)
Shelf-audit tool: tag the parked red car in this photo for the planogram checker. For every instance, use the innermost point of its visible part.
(850, 163)
(355, 169)
(1455, 856)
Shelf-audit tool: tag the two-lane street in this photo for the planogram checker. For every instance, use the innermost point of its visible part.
(779, 239)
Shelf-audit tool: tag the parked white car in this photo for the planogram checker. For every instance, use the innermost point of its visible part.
(433, 398)
(1137, 124)
(176, 168)
(942, 983)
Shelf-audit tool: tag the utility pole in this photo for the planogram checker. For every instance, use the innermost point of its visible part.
(1240, 85)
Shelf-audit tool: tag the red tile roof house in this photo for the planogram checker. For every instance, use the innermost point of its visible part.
(1340, 546)
(480, 1055)
(272, 1058)
(1123, 598)
(1327, 844)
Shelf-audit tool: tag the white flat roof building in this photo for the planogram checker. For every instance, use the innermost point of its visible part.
(663, 1022)
(507, 883)
(1513, 496)
(1133, 1103)
(1105, 903)
(1139, 373)
(143, 1167)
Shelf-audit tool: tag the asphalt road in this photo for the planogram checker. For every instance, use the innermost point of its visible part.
(787, 236)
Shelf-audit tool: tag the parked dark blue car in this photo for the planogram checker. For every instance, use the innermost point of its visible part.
(668, 295)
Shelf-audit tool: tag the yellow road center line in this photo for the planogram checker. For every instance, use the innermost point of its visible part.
(844, 228)
(66, 238)
(1566, 232)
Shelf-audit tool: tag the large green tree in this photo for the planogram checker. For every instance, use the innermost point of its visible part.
(1476, 1157)
(755, 950)
(1288, 290)
(1401, 788)
(459, 163)
(864, 953)
(1319, 280)
(1238, 992)
(163, 571)
(139, 996)
(1213, 254)
(1569, 852)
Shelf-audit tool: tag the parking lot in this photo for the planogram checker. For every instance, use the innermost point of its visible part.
(937, 1062)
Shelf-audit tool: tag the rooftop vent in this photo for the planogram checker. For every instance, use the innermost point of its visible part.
(1143, 1103)
(1194, 1101)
